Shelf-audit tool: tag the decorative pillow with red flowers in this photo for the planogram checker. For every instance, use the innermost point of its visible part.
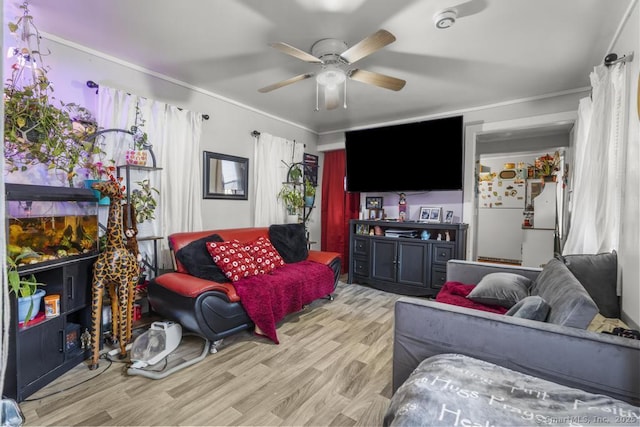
(265, 254)
(233, 259)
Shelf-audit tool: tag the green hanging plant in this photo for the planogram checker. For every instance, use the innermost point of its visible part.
(292, 198)
(38, 129)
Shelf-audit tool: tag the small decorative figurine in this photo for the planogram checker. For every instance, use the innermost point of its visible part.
(439, 236)
(447, 237)
(402, 207)
(425, 235)
(85, 339)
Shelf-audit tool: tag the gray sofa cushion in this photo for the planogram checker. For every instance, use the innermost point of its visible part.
(599, 275)
(570, 303)
(503, 289)
(532, 307)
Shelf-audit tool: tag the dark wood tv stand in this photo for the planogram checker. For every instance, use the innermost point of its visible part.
(403, 265)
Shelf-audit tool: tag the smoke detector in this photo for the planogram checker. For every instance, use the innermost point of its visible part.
(445, 18)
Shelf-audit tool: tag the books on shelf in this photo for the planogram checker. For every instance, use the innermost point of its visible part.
(400, 232)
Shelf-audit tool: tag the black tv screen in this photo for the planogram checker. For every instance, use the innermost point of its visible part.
(420, 156)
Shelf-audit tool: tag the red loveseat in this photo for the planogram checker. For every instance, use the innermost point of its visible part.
(213, 309)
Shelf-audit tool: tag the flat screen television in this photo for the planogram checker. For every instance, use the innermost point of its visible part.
(420, 156)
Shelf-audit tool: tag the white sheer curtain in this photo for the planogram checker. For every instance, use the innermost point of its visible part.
(600, 147)
(175, 136)
(270, 154)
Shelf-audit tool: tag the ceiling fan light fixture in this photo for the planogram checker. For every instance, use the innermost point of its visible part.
(331, 76)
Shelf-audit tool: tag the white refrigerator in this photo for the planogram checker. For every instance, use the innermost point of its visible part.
(538, 241)
(501, 203)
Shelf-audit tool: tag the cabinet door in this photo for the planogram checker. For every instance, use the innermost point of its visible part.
(442, 252)
(76, 283)
(361, 267)
(40, 350)
(438, 276)
(361, 246)
(413, 263)
(384, 259)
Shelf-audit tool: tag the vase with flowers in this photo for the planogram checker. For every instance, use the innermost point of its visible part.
(547, 166)
(98, 171)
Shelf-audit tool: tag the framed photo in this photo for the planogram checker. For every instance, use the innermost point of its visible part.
(310, 162)
(376, 213)
(448, 218)
(373, 202)
(430, 214)
(425, 213)
(362, 229)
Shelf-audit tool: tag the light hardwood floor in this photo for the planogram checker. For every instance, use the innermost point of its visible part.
(332, 367)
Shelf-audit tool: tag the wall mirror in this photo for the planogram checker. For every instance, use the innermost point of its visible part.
(225, 177)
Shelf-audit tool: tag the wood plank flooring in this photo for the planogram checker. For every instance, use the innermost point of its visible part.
(331, 368)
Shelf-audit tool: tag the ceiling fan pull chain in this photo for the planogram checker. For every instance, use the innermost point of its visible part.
(345, 94)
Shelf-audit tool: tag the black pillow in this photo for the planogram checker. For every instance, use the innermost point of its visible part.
(197, 260)
(290, 241)
(598, 273)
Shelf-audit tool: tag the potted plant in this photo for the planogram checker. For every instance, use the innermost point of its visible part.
(98, 171)
(37, 128)
(143, 201)
(138, 155)
(309, 193)
(24, 287)
(293, 200)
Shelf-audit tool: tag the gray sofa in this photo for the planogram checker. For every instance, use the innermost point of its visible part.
(558, 350)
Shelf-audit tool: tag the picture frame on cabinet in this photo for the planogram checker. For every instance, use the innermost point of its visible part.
(448, 217)
(373, 202)
(425, 213)
(362, 229)
(431, 214)
(376, 213)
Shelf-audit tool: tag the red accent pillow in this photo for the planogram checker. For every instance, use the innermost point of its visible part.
(455, 293)
(265, 254)
(233, 259)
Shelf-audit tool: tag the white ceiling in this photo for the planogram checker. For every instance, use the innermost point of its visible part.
(497, 51)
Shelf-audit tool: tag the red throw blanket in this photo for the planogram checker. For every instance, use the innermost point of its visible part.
(268, 298)
(455, 293)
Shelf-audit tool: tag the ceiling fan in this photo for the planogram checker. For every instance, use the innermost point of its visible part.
(336, 58)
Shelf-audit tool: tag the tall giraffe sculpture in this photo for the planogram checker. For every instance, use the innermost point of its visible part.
(117, 270)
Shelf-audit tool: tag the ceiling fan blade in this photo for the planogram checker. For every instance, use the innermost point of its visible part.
(377, 79)
(285, 83)
(367, 46)
(295, 52)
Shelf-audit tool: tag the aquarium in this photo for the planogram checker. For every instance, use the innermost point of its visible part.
(49, 224)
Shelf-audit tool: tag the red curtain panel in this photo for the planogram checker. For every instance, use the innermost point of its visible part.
(338, 206)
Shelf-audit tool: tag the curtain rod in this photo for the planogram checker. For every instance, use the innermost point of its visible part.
(256, 134)
(94, 85)
(612, 58)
